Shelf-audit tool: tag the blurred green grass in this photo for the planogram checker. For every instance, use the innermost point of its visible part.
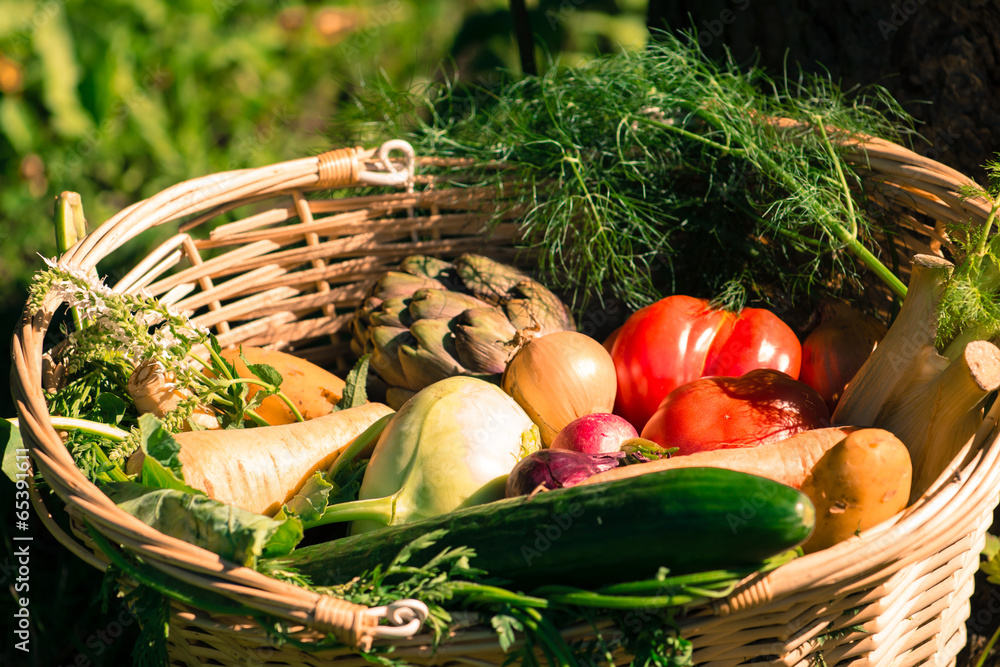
(119, 99)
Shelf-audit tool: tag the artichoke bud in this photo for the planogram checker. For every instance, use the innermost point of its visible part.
(370, 304)
(430, 267)
(551, 312)
(396, 284)
(481, 337)
(430, 319)
(487, 279)
(531, 317)
(393, 313)
(386, 342)
(433, 357)
(435, 304)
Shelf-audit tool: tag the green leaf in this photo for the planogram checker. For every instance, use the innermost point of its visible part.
(109, 409)
(13, 452)
(311, 500)
(285, 537)
(507, 628)
(991, 566)
(991, 549)
(265, 372)
(161, 467)
(355, 385)
(228, 531)
(425, 541)
(347, 481)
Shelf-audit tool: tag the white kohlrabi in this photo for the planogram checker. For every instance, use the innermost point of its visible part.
(451, 445)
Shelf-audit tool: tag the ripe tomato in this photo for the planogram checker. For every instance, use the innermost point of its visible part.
(680, 338)
(761, 406)
(837, 349)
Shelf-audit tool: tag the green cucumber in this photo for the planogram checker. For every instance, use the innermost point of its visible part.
(687, 520)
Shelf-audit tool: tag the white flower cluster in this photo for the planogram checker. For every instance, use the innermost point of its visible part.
(138, 327)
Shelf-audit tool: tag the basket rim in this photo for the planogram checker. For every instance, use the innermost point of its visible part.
(973, 478)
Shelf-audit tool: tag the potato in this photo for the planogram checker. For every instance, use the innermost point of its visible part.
(313, 390)
(860, 482)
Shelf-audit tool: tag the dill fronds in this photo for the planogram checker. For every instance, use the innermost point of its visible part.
(660, 171)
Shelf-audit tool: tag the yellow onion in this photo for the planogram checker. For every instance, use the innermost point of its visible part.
(559, 377)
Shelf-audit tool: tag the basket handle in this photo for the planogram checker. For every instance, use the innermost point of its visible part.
(347, 166)
(405, 618)
(357, 625)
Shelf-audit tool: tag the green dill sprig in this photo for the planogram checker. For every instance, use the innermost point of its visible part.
(970, 305)
(660, 171)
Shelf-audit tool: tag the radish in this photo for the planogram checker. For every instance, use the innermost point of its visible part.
(596, 433)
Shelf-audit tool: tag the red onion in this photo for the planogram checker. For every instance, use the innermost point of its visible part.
(557, 468)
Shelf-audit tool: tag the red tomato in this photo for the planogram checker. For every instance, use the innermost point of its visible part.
(761, 406)
(835, 350)
(758, 339)
(679, 339)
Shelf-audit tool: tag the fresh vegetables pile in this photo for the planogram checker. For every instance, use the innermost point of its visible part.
(485, 454)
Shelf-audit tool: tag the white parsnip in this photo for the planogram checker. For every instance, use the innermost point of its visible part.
(937, 412)
(911, 332)
(260, 469)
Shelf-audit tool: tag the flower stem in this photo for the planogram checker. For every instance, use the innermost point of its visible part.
(95, 428)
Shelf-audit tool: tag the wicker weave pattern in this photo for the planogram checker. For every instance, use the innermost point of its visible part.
(288, 272)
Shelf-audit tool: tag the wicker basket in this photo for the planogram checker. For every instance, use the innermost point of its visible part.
(289, 272)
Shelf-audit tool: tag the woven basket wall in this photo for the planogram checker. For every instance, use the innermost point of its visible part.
(289, 272)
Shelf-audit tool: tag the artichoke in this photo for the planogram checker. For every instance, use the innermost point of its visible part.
(432, 319)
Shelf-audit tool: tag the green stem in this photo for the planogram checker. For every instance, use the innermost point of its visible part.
(838, 231)
(844, 235)
(381, 510)
(688, 134)
(114, 471)
(551, 637)
(95, 428)
(71, 226)
(989, 647)
(210, 395)
(486, 593)
(256, 418)
(579, 597)
(719, 577)
(981, 246)
(848, 200)
(358, 445)
(283, 397)
(876, 267)
(787, 233)
(574, 163)
(270, 388)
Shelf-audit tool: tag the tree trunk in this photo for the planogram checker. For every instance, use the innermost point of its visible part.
(939, 58)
